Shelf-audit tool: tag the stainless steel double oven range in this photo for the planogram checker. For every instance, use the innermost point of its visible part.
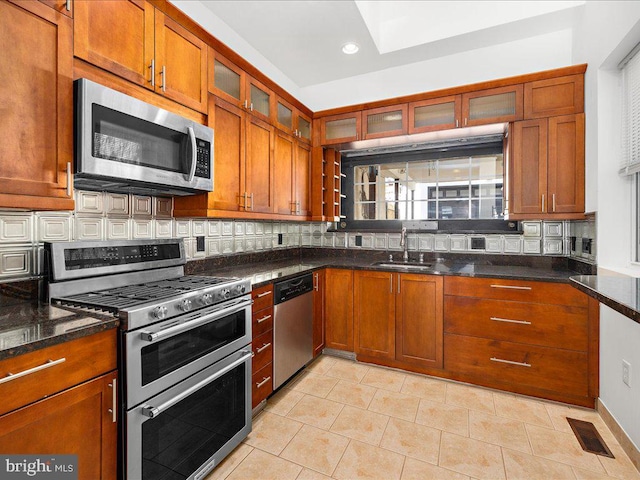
(184, 351)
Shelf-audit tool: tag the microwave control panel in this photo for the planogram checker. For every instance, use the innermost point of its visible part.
(203, 159)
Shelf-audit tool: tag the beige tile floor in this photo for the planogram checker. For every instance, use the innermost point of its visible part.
(346, 420)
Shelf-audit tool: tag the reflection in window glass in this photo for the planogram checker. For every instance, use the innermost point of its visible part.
(469, 187)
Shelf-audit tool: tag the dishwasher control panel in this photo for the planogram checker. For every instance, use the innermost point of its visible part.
(288, 289)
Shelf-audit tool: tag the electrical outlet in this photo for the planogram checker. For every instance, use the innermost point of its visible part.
(626, 373)
(280, 239)
(199, 244)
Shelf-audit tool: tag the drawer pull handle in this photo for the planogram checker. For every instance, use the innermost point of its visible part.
(263, 319)
(50, 363)
(264, 294)
(114, 400)
(510, 362)
(508, 320)
(263, 382)
(511, 287)
(263, 347)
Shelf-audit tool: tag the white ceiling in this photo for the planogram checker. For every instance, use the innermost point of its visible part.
(303, 39)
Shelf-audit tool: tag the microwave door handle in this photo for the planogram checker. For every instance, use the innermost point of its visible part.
(194, 153)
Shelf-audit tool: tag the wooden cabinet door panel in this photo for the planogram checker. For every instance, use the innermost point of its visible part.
(435, 114)
(36, 113)
(74, 422)
(419, 320)
(284, 153)
(226, 79)
(259, 165)
(302, 179)
(374, 314)
(341, 128)
(318, 312)
(116, 36)
(495, 105)
(63, 6)
(529, 167)
(554, 96)
(229, 154)
(385, 121)
(262, 384)
(181, 64)
(565, 175)
(338, 307)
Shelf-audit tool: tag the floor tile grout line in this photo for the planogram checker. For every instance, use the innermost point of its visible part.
(504, 463)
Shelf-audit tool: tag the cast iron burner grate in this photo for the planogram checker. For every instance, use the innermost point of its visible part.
(589, 438)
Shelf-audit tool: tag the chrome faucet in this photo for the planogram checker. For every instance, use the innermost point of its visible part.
(405, 244)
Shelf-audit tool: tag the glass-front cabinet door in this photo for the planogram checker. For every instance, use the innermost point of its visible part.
(435, 114)
(385, 121)
(226, 80)
(496, 105)
(260, 99)
(303, 128)
(341, 128)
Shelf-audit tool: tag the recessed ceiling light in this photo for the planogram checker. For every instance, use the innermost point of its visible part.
(350, 48)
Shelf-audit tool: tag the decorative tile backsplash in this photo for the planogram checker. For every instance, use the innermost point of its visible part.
(106, 216)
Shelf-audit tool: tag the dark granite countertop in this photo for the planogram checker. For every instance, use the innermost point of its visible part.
(262, 273)
(620, 293)
(27, 325)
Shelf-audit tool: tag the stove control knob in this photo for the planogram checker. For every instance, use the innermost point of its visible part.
(241, 289)
(185, 305)
(159, 313)
(206, 299)
(225, 293)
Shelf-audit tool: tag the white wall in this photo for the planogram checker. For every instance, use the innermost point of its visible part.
(604, 35)
(543, 52)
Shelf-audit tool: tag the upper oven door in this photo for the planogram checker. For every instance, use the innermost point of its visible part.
(120, 137)
(166, 353)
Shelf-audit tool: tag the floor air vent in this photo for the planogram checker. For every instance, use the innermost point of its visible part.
(589, 438)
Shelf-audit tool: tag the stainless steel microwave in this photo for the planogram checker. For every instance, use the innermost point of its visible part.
(126, 145)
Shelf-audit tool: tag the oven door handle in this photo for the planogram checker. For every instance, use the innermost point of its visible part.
(183, 327)
(152, 412)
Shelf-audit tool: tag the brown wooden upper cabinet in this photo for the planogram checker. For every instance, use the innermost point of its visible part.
(495, 105)
(291, 120)
(141, 44)
(435, 114)
(292, 179)
(547, 168)
(341, 128)
(385, 121)
(554, 96)
(230, 82)
(36, 119)
(63, 6)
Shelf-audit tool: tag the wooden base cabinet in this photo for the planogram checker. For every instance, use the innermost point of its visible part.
(319, 282)
(262, 344)
(398, 317)
(534, 338)
(79, 421)
(36, 117)
(338, 309)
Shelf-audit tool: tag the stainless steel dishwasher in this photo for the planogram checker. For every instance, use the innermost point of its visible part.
(292, 327)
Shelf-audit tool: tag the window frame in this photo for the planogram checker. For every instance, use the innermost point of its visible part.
(442, 225)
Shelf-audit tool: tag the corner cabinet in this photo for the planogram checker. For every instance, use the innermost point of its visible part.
(139, 43)
(36, 151)
(338, 309)
(547, 168)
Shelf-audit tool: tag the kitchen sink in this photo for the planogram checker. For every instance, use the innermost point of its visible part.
(405, 266)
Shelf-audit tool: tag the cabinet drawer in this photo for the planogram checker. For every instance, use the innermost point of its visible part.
(262, 347)
(556, 326)
(516, 290)
(261, 385)
(262, 297)
(493, 361)
(261, 321)
(55, 368)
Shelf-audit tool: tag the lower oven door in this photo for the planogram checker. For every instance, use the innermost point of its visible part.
(166, 353)
(185, 432)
